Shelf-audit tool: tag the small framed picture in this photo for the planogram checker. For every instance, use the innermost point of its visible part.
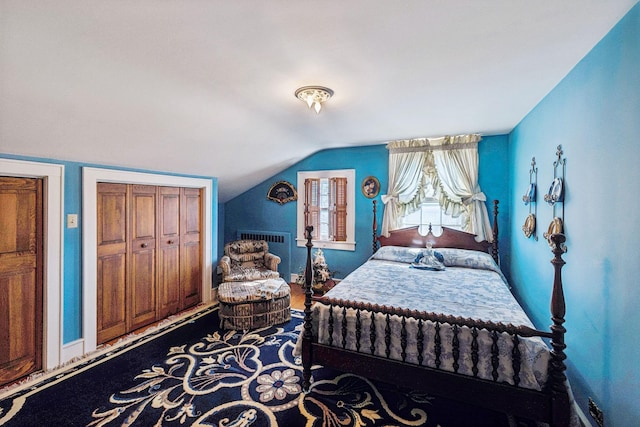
(370, 187)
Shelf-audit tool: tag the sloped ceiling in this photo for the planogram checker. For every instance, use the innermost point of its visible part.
(207, 87)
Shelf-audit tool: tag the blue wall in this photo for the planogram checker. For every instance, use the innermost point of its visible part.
(251, 210)
(595, 114)
(72, 286)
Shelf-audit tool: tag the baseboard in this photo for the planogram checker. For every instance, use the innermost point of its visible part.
(72, 350)
(584, 420)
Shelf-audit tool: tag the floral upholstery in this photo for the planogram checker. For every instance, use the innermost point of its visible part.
(251, 305)
(246, 260)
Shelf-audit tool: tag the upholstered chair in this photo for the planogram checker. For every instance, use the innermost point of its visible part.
(246, 260)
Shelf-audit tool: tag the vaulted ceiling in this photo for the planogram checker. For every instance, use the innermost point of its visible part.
(207, 87)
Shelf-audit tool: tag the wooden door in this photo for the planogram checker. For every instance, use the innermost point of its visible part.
(190, 247)
(20, 277)
(149, 255)
(112, 204)
(141, 293)
(168, 251)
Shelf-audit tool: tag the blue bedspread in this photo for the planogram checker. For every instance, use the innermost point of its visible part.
(470, 286)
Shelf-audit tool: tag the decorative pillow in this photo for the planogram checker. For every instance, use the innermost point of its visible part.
(247, 253)
(429, 260)
(248, 259)
(245, 274)
(397, 254)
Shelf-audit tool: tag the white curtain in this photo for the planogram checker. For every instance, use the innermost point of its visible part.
(451, 165)
(456, 180)
(406, 175)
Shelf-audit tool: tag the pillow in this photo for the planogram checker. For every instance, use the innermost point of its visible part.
(452, 257)
(429, 260)
(248, 259)
(469, 259)
(397, 254)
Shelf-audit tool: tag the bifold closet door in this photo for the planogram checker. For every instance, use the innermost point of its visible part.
(141, 293)
(168, 251)
(190, 247)
(126, 291)
(179, 252)
(112, 268)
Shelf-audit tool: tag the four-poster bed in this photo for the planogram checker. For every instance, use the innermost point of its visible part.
(480, 351)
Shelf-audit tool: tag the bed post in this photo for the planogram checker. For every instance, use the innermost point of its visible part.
(560, 404)
(374, 245)
(494, 245)
(307, 334)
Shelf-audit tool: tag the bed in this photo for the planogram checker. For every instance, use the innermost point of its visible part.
(454, 331)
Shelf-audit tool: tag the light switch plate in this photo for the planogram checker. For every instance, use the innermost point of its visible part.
(72, 220)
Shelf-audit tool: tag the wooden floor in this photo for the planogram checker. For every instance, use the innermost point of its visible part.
(297, 296)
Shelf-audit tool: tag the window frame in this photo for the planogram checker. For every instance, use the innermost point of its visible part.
(350, 174)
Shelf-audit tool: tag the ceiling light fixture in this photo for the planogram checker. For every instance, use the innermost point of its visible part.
(314, 96)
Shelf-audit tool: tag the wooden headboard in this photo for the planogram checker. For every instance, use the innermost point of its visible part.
(449, 238)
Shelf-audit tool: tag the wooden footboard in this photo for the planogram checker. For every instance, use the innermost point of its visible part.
(550, 405)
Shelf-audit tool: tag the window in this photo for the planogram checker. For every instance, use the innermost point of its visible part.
(328, 198)
(430, 213)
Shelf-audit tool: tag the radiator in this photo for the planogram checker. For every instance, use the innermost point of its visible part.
(279, 244)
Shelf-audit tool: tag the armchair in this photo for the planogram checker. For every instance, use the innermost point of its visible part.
(246, 260)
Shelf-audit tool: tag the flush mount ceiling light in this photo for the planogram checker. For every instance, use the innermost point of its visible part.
(314, 96)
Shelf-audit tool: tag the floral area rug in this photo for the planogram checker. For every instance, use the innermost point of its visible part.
(198, 375)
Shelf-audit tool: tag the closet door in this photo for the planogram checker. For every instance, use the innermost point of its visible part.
(112, 271)
(20, 277)
(168, 251)
(190, 248)
(141, 293)
(149, 255)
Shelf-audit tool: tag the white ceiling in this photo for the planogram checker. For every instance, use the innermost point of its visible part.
(206, 87)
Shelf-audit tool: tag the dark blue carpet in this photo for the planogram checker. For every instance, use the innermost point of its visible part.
(197, 375)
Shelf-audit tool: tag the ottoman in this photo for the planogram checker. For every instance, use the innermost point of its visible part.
(254, 304)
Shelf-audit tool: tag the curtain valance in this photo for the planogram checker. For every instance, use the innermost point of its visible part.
(431, 144)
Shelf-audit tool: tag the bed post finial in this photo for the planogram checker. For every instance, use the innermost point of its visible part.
(307, 334)
(374, 245)
(558, 311)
